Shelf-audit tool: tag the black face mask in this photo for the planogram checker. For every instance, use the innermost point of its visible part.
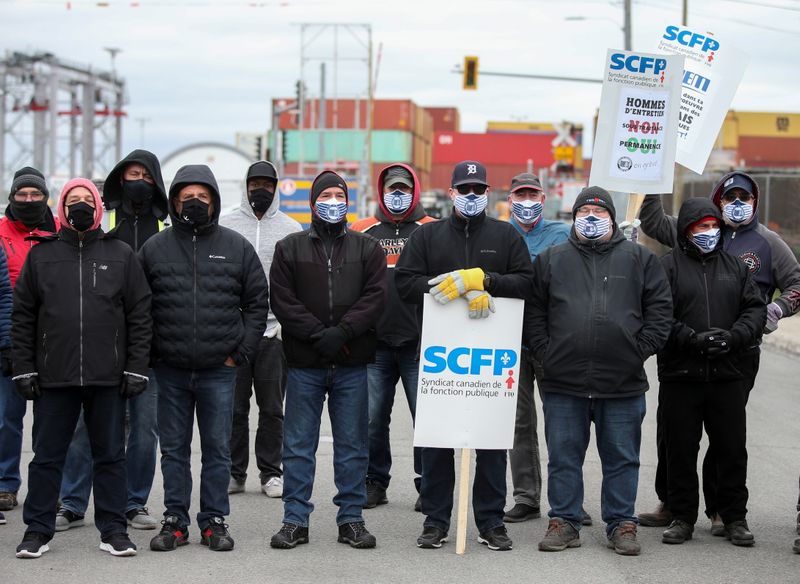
(138, 191)
(195, 212)
(260, 199)
(31, 213)
(80, 216)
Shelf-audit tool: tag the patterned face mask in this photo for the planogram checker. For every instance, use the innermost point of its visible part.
(592, 227)
(397, 201)
(707, 240)
(331, 211)
(738, 211)
(471, 205)
(526, 212)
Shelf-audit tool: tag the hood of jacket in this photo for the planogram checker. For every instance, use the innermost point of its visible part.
(691, 212)
(273, 208)
(716, 193)
(112, 188)
(414, 213)
(194, 174)
(98, 202)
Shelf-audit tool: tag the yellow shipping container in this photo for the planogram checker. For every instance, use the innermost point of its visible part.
(759, 124)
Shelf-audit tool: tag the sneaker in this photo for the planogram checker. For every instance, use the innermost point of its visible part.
(496, 539)
(678, 532)
(216, 535)
(118, 544)
(521, 512)
(661, 517)
(2, 518)
(560, 535)
(418, 504)
(739, 533)
(8, 501)
(376, 495)
(141, 519)
(235, 486)
(289, 536)
(66, 519)
(33, 545)
(623, 540)
(796, 546)
(172, 535)
(356, 535)
(717, 527)
(273, 488)
(586, 519)
(431, 538)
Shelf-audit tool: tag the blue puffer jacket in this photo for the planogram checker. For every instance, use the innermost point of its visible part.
(6, 302)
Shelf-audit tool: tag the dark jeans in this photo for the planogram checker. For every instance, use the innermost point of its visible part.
(346, 389)
(618, 431)
(140, 456)
(720, 406)
(12, 412)
(55, 415)
(390, 366)
(526, 468)
(488, 489)
(265, 376)
(181, 394)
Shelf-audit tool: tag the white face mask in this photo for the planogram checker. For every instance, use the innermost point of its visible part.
(527, 212)
(706, 241)
(332, 211)
(397, 201)
(592, 227)
(471, 205)
(738, 211)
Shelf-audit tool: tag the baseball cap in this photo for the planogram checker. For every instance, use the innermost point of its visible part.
(469, 172)
(526, 180)
(738, 181)
(398, 174)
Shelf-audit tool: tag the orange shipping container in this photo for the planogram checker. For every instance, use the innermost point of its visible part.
(445, 119)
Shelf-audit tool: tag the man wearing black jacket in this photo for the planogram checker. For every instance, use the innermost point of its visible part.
(210, 308)
(81, 339)
(328, 292)
(719, 314)
(474, 257)
(600, 306)
(399, 214)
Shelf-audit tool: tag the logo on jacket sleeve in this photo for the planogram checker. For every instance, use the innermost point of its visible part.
(753, 262)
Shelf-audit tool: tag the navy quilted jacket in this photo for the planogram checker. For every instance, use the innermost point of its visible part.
(6, 302)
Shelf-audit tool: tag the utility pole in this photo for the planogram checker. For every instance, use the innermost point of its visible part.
(142, 123)
(685, 17)
(627, 27)
(322, 118)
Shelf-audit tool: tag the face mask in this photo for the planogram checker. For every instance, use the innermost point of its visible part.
(397, 201)
(738, 212)
(31, 213)
(471, 205)
(138, 191)
(592, 227)
(195, 212)
(260, 200)
(707, 240)
(332, 211)
(526, 212)
(80, 216)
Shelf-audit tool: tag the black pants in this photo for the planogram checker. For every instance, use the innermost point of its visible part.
(266, 374)
(685, 407)
(55, 415)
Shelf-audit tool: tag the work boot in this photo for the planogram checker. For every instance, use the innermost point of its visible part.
(8, 501)
(356, 535)
(661, 517)
(678, 532)
(376, 495)
(559, 536)
(521, 512)
(289, 536)
(623, 540)
(739, 533)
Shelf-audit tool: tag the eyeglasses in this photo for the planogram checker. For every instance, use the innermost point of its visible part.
(467, 189)
(37, 196)
(743, 196)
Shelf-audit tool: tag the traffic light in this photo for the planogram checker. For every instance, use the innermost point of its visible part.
(299, 97)
(470, 73)
(259, 151)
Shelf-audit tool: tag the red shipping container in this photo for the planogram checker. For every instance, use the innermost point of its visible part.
(769, 152)
(498, 175)
(501, 149)
(445, 119)
(388, 114)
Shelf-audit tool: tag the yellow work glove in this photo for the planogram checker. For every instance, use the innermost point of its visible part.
(481, 304)
(449, 286)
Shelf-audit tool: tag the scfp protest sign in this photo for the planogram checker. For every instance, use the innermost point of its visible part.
(712, 72)
(468, 376)
(634, 150)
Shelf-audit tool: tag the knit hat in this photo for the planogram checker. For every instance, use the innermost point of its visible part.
(325, 180)
(398, 174)
(28, 177)
(595, 196)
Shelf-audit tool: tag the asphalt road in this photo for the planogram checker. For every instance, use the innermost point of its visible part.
(773, 481)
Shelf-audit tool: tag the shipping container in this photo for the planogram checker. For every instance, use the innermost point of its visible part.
(773, 124)
(347, 145)
(388, 114)
(501, 149)
(519, 127)
(768, 152)
(445, 119)
(497, 175)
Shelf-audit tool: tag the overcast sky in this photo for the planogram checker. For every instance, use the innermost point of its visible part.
(202, 70)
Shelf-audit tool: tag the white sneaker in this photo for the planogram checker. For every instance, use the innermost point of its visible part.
(273, 487)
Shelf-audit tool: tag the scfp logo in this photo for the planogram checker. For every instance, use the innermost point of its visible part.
(637, 63)
(691, 39)
(468, 360)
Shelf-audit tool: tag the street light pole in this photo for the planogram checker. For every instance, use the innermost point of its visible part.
(627, 28)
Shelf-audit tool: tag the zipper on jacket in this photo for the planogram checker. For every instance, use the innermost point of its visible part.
(80, 309)
(194, 292)
(94, 275)
(44, 348)
(708, 314)
(466, 244)
(11, 245)
(258, 237)
(116, 350)
(605, 295)
(330, 287)
(136, 232)
(590, 336)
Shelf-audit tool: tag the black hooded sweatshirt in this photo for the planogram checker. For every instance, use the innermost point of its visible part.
(713, 290)
(135, 228)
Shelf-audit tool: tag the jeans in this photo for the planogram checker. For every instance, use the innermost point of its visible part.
(346, 388)
(209, 394)
(526, 467)
(488, 489)
(55, 415)
(12, 412)
(140, 456)
(618, 430)
(391, 365)
(265, 376)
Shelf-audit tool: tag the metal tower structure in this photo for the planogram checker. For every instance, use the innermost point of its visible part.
(64, 119)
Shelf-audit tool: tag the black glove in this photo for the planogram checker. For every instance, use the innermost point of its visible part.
(28, 387)
(5, 362)
(713, 343)
(330, 341)
(133, 385)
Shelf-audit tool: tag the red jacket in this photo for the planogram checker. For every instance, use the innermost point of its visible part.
(12, 237)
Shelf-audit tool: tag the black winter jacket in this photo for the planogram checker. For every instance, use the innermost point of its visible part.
(210, 298)
(81, 312)
(598, 310)
(313, 290)
(713, 290)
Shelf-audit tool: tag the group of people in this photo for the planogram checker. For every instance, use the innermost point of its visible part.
(121, 338)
